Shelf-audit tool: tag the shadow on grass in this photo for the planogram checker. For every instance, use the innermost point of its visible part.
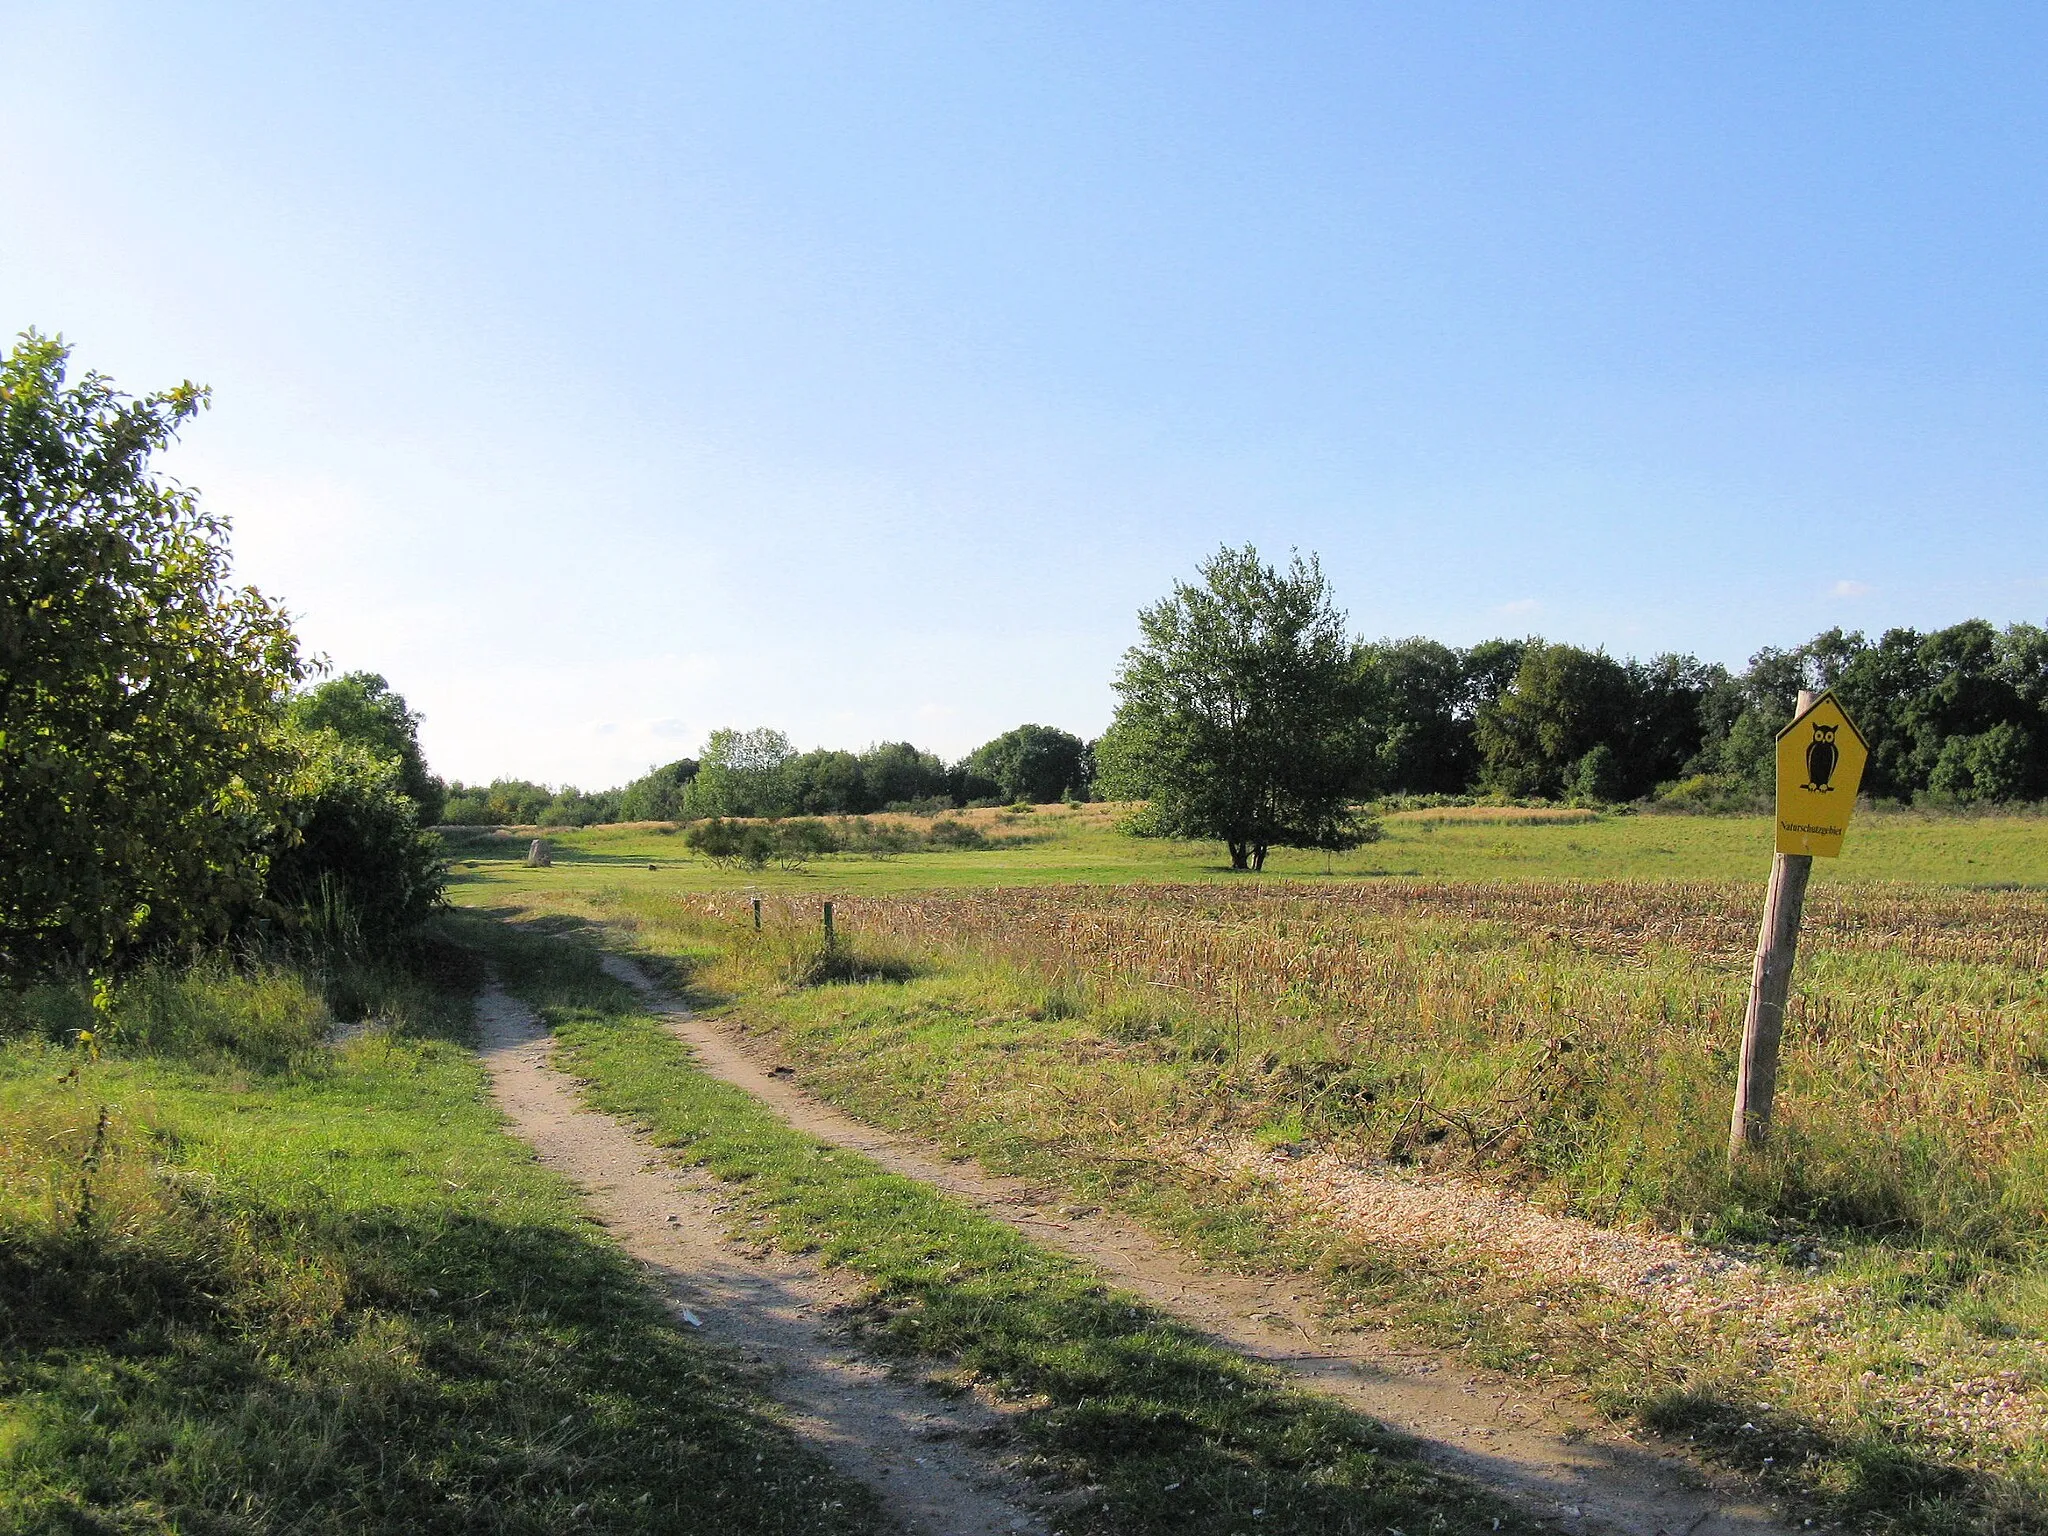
(470, 1379)
(1863, 1479)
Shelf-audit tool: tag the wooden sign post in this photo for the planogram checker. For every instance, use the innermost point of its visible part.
(1820, 764)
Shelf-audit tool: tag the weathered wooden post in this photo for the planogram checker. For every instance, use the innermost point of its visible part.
(757, 914)
(1820, 764)
(829, 940)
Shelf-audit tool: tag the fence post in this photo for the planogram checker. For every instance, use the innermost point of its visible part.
(828, 925)
(1770, 983)
(757, 914)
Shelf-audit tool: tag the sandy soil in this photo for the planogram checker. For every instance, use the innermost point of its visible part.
(1543, 1450)
(772, 1314)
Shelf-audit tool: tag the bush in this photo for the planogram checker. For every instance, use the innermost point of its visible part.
(1710, 794)
(1597, 780)
(948, 833)
(729, 843)
(350, 862)
(798, 842)
(882, 839)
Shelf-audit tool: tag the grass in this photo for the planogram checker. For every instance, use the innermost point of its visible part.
(253, 1282)
(1134, 1423)
(1574, 1044)
(1065, 845)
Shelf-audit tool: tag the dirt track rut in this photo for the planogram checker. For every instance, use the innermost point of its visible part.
(1543, 1451)
(773, 1313)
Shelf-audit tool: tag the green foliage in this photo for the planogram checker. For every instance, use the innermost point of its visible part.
(140, 692)
(1712, 794)
(360, 707)
(1597, 778)
(1960, 714)
(1567, 704)
(522, 803)
(754, 845)
(727, 843)
(743, 773)
(1564, 702)
(659, 794)
(896, 775)
(351, 862)
(1035, 763)
(1239, 719)
(1416, 703)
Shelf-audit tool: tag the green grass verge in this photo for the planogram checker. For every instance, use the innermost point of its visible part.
(251, 1283)
(1139, 1424)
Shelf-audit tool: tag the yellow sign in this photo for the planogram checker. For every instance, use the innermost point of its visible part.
(1820, 764)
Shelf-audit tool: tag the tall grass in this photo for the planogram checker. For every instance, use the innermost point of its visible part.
(1574, 1041)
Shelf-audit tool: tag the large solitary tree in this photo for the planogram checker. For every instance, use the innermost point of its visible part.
(140, 690)
(1239, 717)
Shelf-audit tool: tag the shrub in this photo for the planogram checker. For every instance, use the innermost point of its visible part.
(798, 842)
(350, 861)
(1710, 794)
(728, 843)
(948, 833)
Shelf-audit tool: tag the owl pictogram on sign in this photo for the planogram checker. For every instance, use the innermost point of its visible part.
(1821, 756)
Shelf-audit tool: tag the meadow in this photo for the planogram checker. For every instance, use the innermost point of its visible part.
(264, 1271)
(1132, 1022)
(1075, 844)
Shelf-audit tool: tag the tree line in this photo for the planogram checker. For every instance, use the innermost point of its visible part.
(1247, 715)
(758, 773)
(1248, 707)
(1952, 716)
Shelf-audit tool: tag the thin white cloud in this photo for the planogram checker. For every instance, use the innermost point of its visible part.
(1847, 588)
(1519, 608)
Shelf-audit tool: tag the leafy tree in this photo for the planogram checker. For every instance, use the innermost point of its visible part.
(1038, 763)
(360, 707)
(1599, 776)
(1670, 697)
(1564, 702)
(1240, 710)
(826, 783)
(742, 773)
(571, 807)
(895, 773)
(659, 794)
(141, 693)
(501, 803)
(1416, 735)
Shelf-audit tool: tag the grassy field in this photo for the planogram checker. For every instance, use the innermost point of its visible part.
(1062, 845)
(251, 1282)
(1570, 1043)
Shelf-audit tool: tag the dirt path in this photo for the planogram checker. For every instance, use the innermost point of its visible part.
(772, 1313)
(1543, 1450)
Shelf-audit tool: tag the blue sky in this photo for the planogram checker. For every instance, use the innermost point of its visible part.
(606, 374)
